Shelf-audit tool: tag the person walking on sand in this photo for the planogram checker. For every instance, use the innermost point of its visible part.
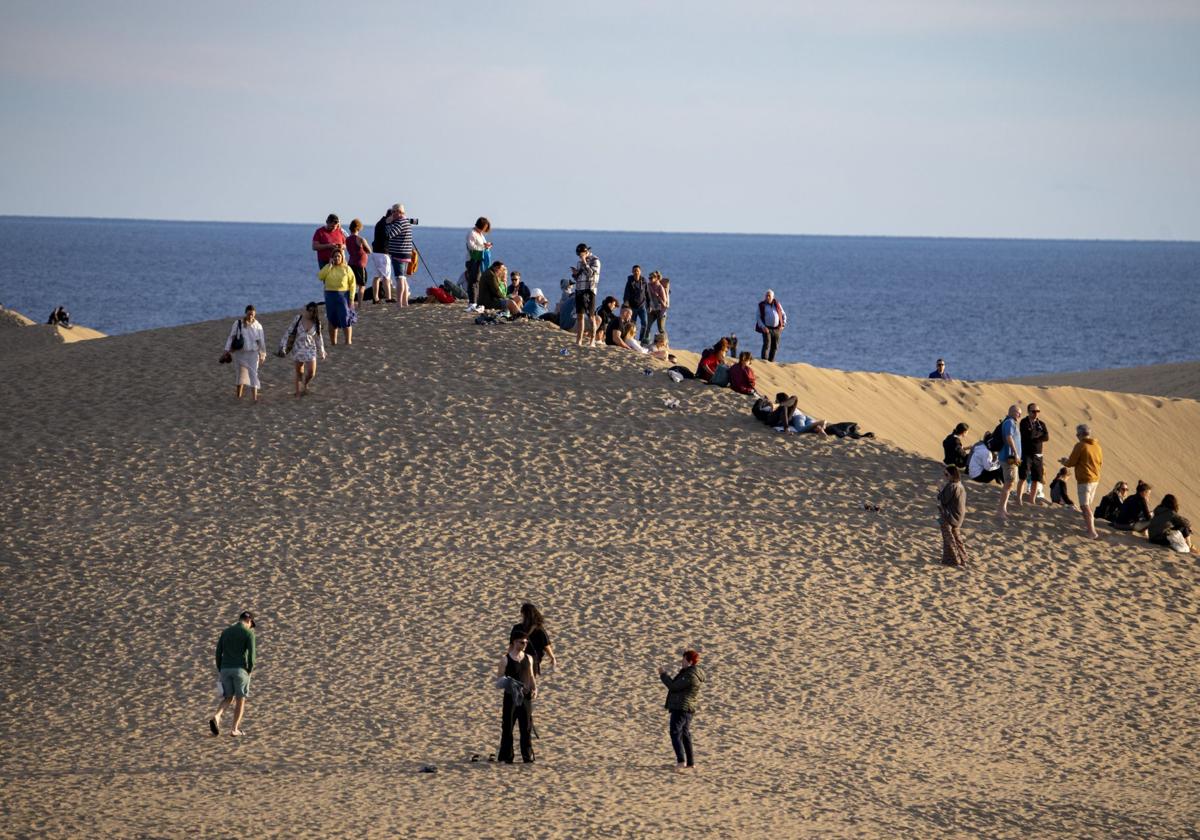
(1032, 470)
(1010, 457)
(952, 510)
(1086, 458)
(327, 239)
(477, 258)
(248, 346)
(682, 691)
(235, 663)
(586, 275)
(339, 286)
(771, 322)
(515, 676)
(304, 337)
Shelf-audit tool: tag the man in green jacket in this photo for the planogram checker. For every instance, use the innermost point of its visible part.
(235, 661)
(682, 691)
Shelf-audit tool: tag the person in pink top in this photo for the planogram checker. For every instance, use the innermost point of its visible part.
(358, 251)
(327, 239)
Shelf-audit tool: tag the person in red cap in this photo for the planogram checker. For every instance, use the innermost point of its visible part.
(235, 661)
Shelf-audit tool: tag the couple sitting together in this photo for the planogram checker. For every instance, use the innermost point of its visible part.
(783, 416)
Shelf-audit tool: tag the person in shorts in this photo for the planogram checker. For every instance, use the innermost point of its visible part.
(1033, 435)
(379, 265)
(1086, 458)
(235, 661)
(587, 279)
(1010, 457)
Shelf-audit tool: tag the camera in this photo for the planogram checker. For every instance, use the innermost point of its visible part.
(414, 221)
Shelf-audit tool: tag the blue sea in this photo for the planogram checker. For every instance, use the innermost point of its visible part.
(992, 308)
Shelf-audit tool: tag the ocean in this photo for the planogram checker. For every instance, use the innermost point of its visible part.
(992, 308)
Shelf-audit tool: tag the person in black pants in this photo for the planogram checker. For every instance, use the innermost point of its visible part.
(515, 675)
(682, 691)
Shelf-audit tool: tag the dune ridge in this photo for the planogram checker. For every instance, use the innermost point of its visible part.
(33, 337)
(1181, 379)
(390, 524)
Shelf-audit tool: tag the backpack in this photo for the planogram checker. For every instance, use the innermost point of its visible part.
(996, 443)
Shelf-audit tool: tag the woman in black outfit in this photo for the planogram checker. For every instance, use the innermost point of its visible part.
(1135, 511)
(533, 626)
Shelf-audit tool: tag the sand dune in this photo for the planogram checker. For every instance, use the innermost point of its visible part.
(1174, 380)
(34, 337)
(387, 527)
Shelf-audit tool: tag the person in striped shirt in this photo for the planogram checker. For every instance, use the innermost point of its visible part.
(400, 249)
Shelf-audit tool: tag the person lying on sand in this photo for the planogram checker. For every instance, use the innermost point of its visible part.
(783, 416)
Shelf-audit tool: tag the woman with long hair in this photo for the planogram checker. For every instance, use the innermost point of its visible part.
(534, 627)
(306, 344)
(250, 351)
(1166, 520)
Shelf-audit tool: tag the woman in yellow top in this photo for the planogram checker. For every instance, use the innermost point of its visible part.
(339, 292)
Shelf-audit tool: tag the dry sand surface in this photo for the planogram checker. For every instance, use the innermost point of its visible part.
(33, 337)
(387, 527)
(1176, 380)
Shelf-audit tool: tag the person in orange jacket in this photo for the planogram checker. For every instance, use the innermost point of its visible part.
(1087, 459)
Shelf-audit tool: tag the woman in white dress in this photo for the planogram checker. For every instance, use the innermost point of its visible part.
(307, 344)
(250, 351)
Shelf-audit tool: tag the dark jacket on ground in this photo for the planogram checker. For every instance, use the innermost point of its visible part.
(683, 689)
(1164, 520)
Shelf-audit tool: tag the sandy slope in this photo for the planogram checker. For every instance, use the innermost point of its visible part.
(387, 527)
(1175, 380)
(34, 337)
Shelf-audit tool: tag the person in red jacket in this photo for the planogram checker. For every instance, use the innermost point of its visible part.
(709, 360)
(741, 376)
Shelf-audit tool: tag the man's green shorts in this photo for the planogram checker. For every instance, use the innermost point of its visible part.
(235, 682)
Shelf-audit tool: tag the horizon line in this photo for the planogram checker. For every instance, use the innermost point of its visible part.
(642, 232)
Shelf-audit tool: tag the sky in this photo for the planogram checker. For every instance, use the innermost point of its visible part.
(896, 117)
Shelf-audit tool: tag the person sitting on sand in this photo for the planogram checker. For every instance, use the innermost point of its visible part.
(566, 305)
(710, 359)
(537, 306)
(682, 691)
(515, 675)
(952, 510)
(741, 375)
(660, 350)
(307, 343)
(1167, 520)
(60, 317)
(629, 338)
(983, 466)
(1110, 506)
(614, 327)
(493, 287)
(606, 312)
(1134, 514)
(953, 450)
(1087, 459)
(1058, 490)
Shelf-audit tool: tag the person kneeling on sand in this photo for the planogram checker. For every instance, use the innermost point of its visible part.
(235, 662)
(682, 691)
(983, 465)
(1086, 458)
(952, 510)
(1168, 528)
(515, 676)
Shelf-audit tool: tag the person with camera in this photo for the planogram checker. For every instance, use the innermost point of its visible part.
(246, 347)
(682, 691)
(586, 274)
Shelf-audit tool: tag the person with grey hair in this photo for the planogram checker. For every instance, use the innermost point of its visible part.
(771, 322)
(1086, 458)
(1010, 457)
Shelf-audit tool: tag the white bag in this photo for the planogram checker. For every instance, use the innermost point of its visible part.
(1177, 542)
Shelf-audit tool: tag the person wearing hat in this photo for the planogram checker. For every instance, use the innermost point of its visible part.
(586, 275)
(536, 306)
(235, 662)
(328, 238)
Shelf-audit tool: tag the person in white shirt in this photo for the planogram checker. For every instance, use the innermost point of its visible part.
(983, 465)
(250, 352)
(477, 247)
